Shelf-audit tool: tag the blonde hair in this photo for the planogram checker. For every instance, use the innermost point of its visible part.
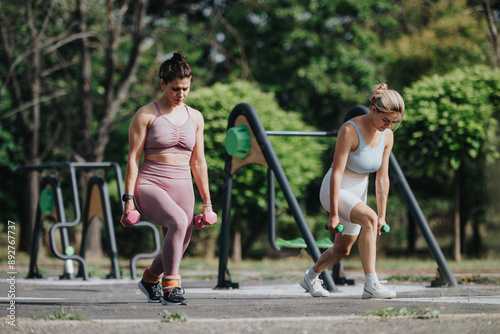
(386, 100)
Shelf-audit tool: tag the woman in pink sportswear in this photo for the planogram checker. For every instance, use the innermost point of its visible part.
(170, 135)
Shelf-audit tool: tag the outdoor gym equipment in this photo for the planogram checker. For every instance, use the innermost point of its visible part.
(51, 205)
(247, 142)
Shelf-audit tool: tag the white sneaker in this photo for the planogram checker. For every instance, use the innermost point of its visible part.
(314, 286)
(377, 290)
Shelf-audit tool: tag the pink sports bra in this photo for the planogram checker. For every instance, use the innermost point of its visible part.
(165, 137)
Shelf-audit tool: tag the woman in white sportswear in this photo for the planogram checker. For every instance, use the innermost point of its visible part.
(363, 146)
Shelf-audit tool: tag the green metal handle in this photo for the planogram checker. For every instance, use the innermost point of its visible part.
(238, 141)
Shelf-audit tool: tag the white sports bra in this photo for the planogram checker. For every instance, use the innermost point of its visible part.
(365, 159)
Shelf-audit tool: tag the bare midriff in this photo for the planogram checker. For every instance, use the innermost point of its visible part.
(169, 158)
(354, 174)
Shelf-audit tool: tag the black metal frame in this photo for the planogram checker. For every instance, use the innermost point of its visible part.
(247, 110)
(63, 225)
(100, 183)
(224, 278)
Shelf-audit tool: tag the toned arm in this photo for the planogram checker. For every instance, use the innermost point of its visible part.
(137, 137)
(199, 163)
(382, 179)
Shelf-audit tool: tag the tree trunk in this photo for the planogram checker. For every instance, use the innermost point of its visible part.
(477, 243)
(493, 29)
(84, 87)
(237, 240)
(86, 146)
(32, 186)
(412, 234)
(31, 124)
(466, 202)
(457, 255)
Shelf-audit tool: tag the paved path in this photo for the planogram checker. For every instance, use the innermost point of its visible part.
(266, 306)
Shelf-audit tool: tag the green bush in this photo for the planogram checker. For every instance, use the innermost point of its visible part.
(448, 136)
(450, 119)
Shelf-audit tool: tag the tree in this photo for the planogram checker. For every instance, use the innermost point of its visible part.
(492, 27)
(25, 44)
(450, 122)
(317, 56)
(68, 72)
(55, 79)
(436, 37)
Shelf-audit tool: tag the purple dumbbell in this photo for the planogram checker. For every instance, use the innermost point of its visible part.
(205, 219)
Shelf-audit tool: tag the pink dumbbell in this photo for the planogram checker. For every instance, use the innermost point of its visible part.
(205, 219)
(133, 217)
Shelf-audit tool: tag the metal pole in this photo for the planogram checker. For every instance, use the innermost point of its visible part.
(422, 222)
(303, 133)
(224, 283)
(274, 164)
(65, 224)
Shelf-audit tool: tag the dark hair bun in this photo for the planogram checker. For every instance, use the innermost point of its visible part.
(179, 56)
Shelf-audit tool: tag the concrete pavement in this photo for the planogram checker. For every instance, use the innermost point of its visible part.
(264, 306)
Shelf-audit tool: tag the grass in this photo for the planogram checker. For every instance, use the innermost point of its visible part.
(176, 316)
(410, 278)
(478, 279)
(63, 314)
(304, 261)
(467, 271)
(414, 312)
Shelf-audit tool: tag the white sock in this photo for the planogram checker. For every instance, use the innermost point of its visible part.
(371, 278)
(312, 274)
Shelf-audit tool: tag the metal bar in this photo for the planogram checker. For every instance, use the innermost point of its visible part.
(271, 158)
(157, 247)
(64, 224)
(422, 222)
(108, 220)
(60, 165)
(224, 283)
(63, 231)
(37, 229)
(271, 210)
(303, 133)
(271, 215)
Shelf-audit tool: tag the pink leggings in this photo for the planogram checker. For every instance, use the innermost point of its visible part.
(164, 194)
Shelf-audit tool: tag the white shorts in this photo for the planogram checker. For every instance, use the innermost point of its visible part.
(352, 191)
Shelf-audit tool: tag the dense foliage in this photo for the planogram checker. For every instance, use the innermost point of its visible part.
(450, 134)
(451, 119)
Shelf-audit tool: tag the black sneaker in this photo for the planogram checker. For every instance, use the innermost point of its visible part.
(174, 297)
(151, 290)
